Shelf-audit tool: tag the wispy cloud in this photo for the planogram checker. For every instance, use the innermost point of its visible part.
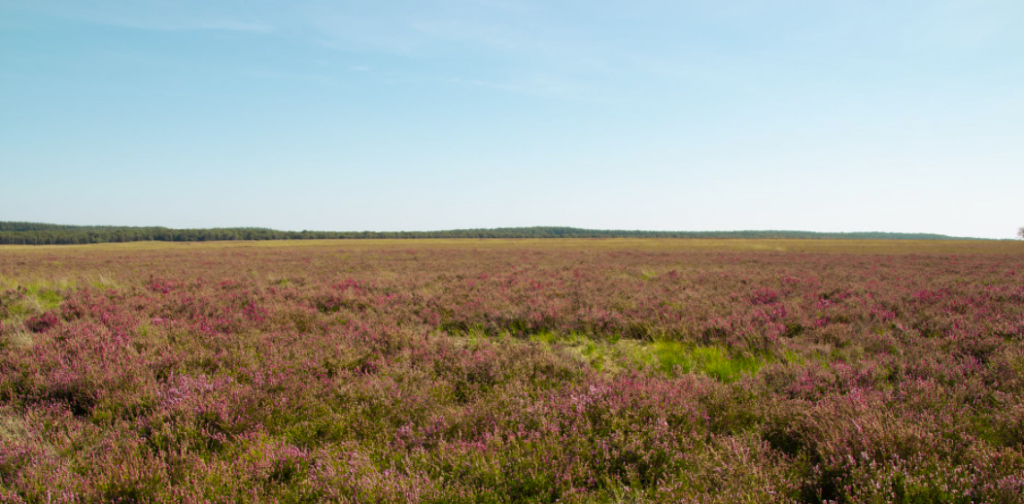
(502, 45)
(535, 84)
(485, 34)
(296, 77)
(186, 24)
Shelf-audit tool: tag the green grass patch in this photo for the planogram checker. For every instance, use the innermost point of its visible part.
(613, 355)
(28, 300)
(714, 361)
(609, 355)
(791, 357)
(47, 299)
(546, 337)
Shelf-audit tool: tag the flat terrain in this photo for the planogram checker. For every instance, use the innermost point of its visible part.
(621, 370)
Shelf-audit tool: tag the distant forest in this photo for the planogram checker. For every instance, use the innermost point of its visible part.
(31, 233)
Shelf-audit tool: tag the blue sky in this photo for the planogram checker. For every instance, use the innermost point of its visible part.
(402, 115)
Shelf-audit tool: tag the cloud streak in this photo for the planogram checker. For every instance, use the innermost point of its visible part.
(187, 24)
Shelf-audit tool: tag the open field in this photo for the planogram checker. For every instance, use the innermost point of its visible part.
(619, 370)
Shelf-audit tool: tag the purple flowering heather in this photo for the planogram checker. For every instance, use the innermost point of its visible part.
(569, 371)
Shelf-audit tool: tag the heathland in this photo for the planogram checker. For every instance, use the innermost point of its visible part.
(654, 370)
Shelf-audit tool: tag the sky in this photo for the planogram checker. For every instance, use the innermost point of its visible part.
(445, 114)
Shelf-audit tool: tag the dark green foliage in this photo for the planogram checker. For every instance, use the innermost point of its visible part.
(30, 233)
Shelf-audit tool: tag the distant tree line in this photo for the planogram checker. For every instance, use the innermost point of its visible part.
(31, 233)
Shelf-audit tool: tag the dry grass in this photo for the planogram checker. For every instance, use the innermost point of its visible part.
(18, 339)
(893, 247)
(68, 266)
(11, 429)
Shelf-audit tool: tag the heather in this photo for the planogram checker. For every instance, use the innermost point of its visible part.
(564, 371)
